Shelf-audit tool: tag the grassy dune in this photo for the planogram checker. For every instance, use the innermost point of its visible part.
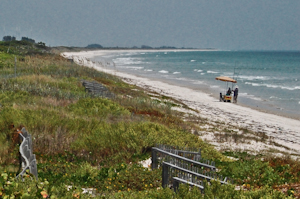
(83, 140)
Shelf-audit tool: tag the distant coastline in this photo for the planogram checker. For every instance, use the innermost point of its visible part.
(61, 49)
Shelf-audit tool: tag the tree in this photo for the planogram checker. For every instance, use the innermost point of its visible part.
(41, 44)
(28, 39)
(9, 38)
(94, 46)
(146, 47)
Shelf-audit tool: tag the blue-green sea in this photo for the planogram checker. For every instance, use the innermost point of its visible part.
(267, 80)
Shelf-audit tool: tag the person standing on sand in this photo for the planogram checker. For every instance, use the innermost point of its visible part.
(235, 94)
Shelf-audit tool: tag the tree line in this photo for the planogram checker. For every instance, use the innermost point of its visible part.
(13, 38)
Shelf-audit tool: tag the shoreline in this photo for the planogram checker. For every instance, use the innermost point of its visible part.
(241, 100)
(245, 98)
(283, 133)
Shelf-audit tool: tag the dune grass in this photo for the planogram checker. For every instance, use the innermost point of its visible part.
(86, 141)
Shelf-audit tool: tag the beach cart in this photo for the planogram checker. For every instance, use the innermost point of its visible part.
(227, 95)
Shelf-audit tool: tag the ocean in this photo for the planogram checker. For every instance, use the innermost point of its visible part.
(267, 80)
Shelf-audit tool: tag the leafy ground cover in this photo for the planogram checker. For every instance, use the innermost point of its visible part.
(84, 141)
(252, 172)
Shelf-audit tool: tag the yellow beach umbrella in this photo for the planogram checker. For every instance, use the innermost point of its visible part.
(226, 79)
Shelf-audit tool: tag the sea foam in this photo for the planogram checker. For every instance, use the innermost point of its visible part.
(210, 71)
(163, 71)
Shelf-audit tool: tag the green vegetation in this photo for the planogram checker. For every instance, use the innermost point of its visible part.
(83, 141)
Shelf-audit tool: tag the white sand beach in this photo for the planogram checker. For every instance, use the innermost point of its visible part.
(282, 134)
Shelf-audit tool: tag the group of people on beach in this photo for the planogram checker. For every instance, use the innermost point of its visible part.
(235, 93)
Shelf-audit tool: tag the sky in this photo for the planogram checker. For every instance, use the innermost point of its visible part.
(220, 24)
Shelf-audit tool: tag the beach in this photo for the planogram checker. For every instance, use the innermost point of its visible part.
(272, 133)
